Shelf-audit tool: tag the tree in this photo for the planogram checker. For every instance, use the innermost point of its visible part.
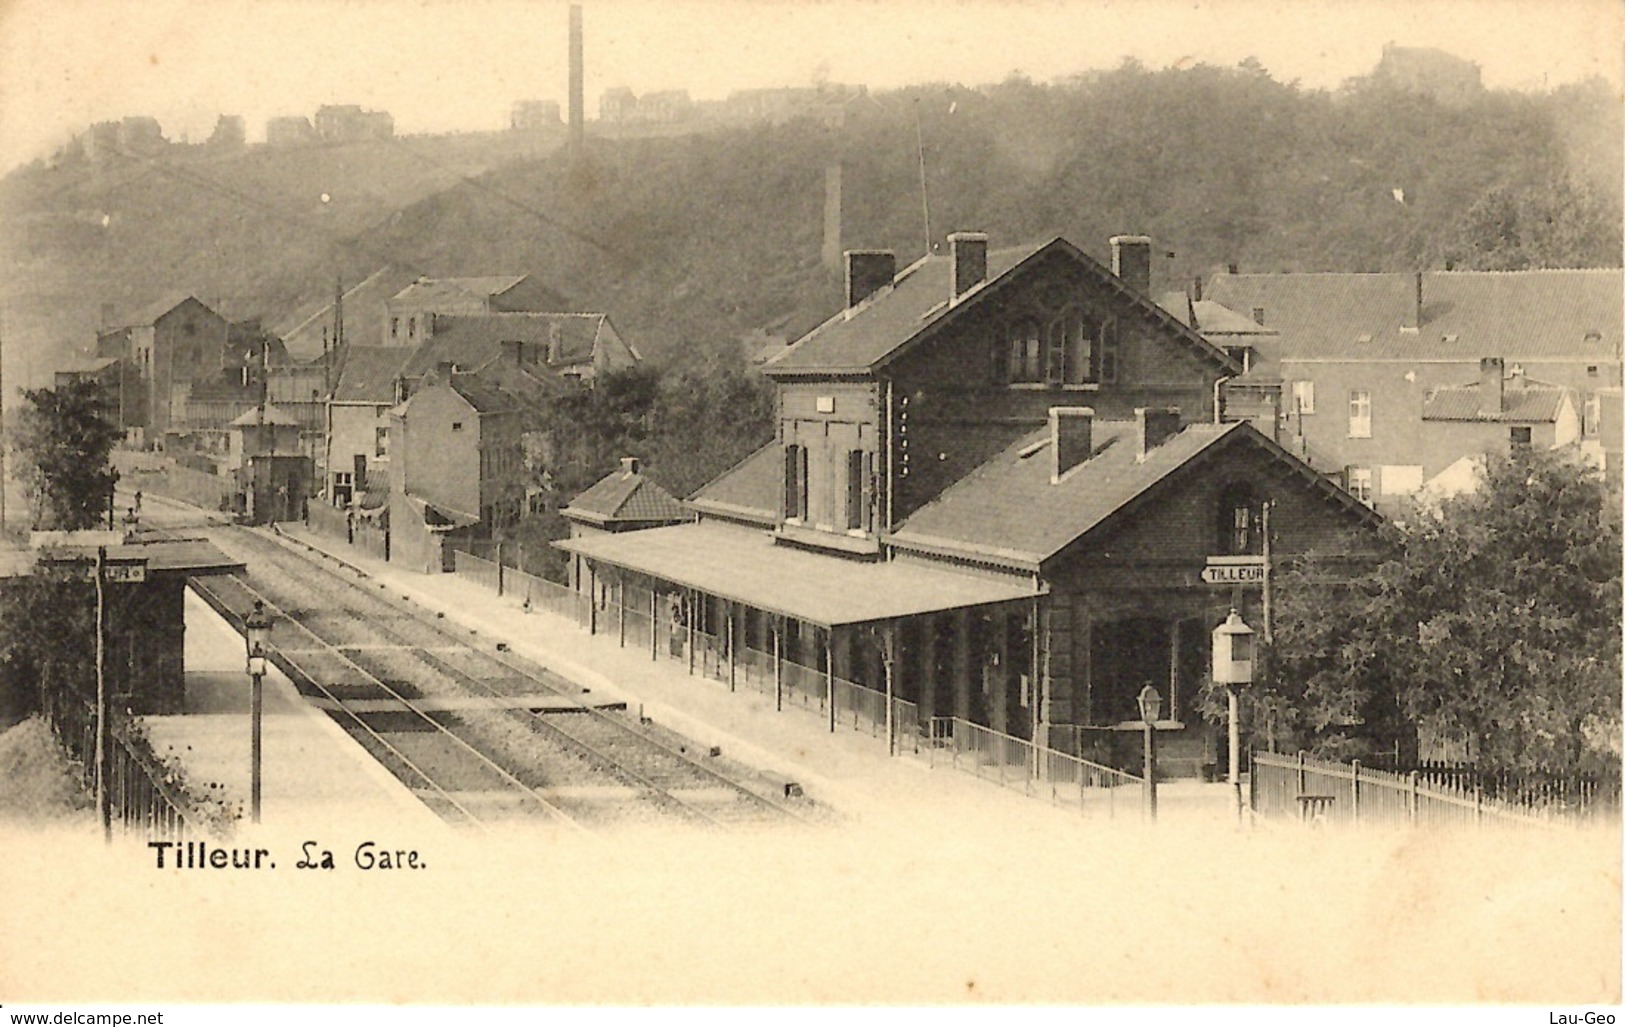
(1494, 625)
(63, 443)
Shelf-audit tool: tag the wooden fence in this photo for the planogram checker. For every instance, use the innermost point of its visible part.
(1300, 787)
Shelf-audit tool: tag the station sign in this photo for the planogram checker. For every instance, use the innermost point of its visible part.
(1234, 570)
(123, 571)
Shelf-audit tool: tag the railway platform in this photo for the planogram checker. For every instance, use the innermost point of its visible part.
(315, 779)
(847, 770)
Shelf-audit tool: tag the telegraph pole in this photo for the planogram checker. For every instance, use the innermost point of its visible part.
(104, 807)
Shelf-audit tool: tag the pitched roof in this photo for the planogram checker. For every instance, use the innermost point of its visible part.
(473, 341)
(1520, 404)
(428, 291)
(1465, 314)
(749, 489)
(916, 304)
(625, 496)
(363, 311)
(270, 415)
(150, 313)
(369, 374)
(1008, 511)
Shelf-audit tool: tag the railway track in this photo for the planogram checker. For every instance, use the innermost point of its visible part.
(478, 733)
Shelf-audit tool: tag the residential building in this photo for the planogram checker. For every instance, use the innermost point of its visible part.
(1356, 357)
(310, 329)
(579, 347)
(624, 500)
(358, 422)
(535, 116)
(348, 123)
(996, 491)
(409, 315)
(170, 344)
(271, 467)
(289, 130)
(457, 449)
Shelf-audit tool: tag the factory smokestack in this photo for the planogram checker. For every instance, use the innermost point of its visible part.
(577, 123)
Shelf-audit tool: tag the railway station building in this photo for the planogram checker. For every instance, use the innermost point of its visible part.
(998, 493)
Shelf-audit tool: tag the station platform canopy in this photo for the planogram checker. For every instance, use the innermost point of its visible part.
(746, 566)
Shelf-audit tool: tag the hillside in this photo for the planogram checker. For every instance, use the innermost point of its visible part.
(693, 240)
(248, 231)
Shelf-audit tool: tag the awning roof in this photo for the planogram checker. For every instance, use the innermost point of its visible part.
(744, 565)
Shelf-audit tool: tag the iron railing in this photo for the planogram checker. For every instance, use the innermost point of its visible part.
(1301, 787)
(1036, 770)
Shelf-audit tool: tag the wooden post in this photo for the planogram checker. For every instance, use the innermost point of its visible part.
(1302, 774)
(962, 664)
(654, 622)
(829, 675)
(1354, 802)
(592, 599)
(620, 594)
(733, 659)
(689, 600)
(104, 804)
(499, 570)
(778, 664)
(1173, 668)
(1415, 799)
(1264, 529)
(999, 715)
(888, 658)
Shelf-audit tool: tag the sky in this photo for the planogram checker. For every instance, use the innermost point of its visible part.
(446, 65)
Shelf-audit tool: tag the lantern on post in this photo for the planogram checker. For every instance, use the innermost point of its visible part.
(257, 636)
(1233, 668)
(1150, 712)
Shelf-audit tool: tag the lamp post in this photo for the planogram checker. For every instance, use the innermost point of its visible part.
(1233, 668)
(1150, 711)
(257, 628)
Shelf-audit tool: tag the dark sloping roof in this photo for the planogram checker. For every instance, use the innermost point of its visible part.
(369, 374)
(1520, 404)
(888, 323)
(472, 342)
(429, 291)
(749, 489)
(625, 496)
(484, 396)
(1008, 510)
(150, 313)
(744, 565)
(270, 415)
(1465, 314)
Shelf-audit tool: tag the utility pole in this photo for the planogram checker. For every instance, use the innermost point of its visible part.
(104, 806)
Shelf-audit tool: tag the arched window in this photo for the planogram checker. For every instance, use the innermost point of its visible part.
(1238, 527)
(1023, 351)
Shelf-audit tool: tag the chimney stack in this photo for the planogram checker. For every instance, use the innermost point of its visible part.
(513, 352)
(867, 272)
(1071, 438)
(1196, 289)
(578, 126)
(1131, 261)
(1155, 426)
(629, 466)
(1491, 387)
(969, 254)
(1414, 324)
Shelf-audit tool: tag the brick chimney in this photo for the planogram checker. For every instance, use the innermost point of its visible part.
(1491, 387)
(1131, 261)
(1154, 426)
(969, 254)
(867, 272)
(513, 352)
(629, 466)
(1071, 438)
(1413, 322)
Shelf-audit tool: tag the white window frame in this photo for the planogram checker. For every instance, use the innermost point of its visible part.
(1360, 414)
(1361, 486)
(1303, 396)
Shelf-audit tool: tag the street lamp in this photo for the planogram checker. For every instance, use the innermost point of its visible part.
(1232, 668)
(257, 635)
(1150, 712)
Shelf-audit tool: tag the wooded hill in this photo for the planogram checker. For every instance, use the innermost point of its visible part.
(690, 241)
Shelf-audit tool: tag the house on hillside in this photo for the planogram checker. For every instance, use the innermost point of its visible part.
(410, 314)
(996, 492)
(1355, 357)
(357, 458)
(348, 123)
(169, 345)
(310, 329)
(578, 347)
(457, 451)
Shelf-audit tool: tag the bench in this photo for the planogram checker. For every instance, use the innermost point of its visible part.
(1315, 807)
